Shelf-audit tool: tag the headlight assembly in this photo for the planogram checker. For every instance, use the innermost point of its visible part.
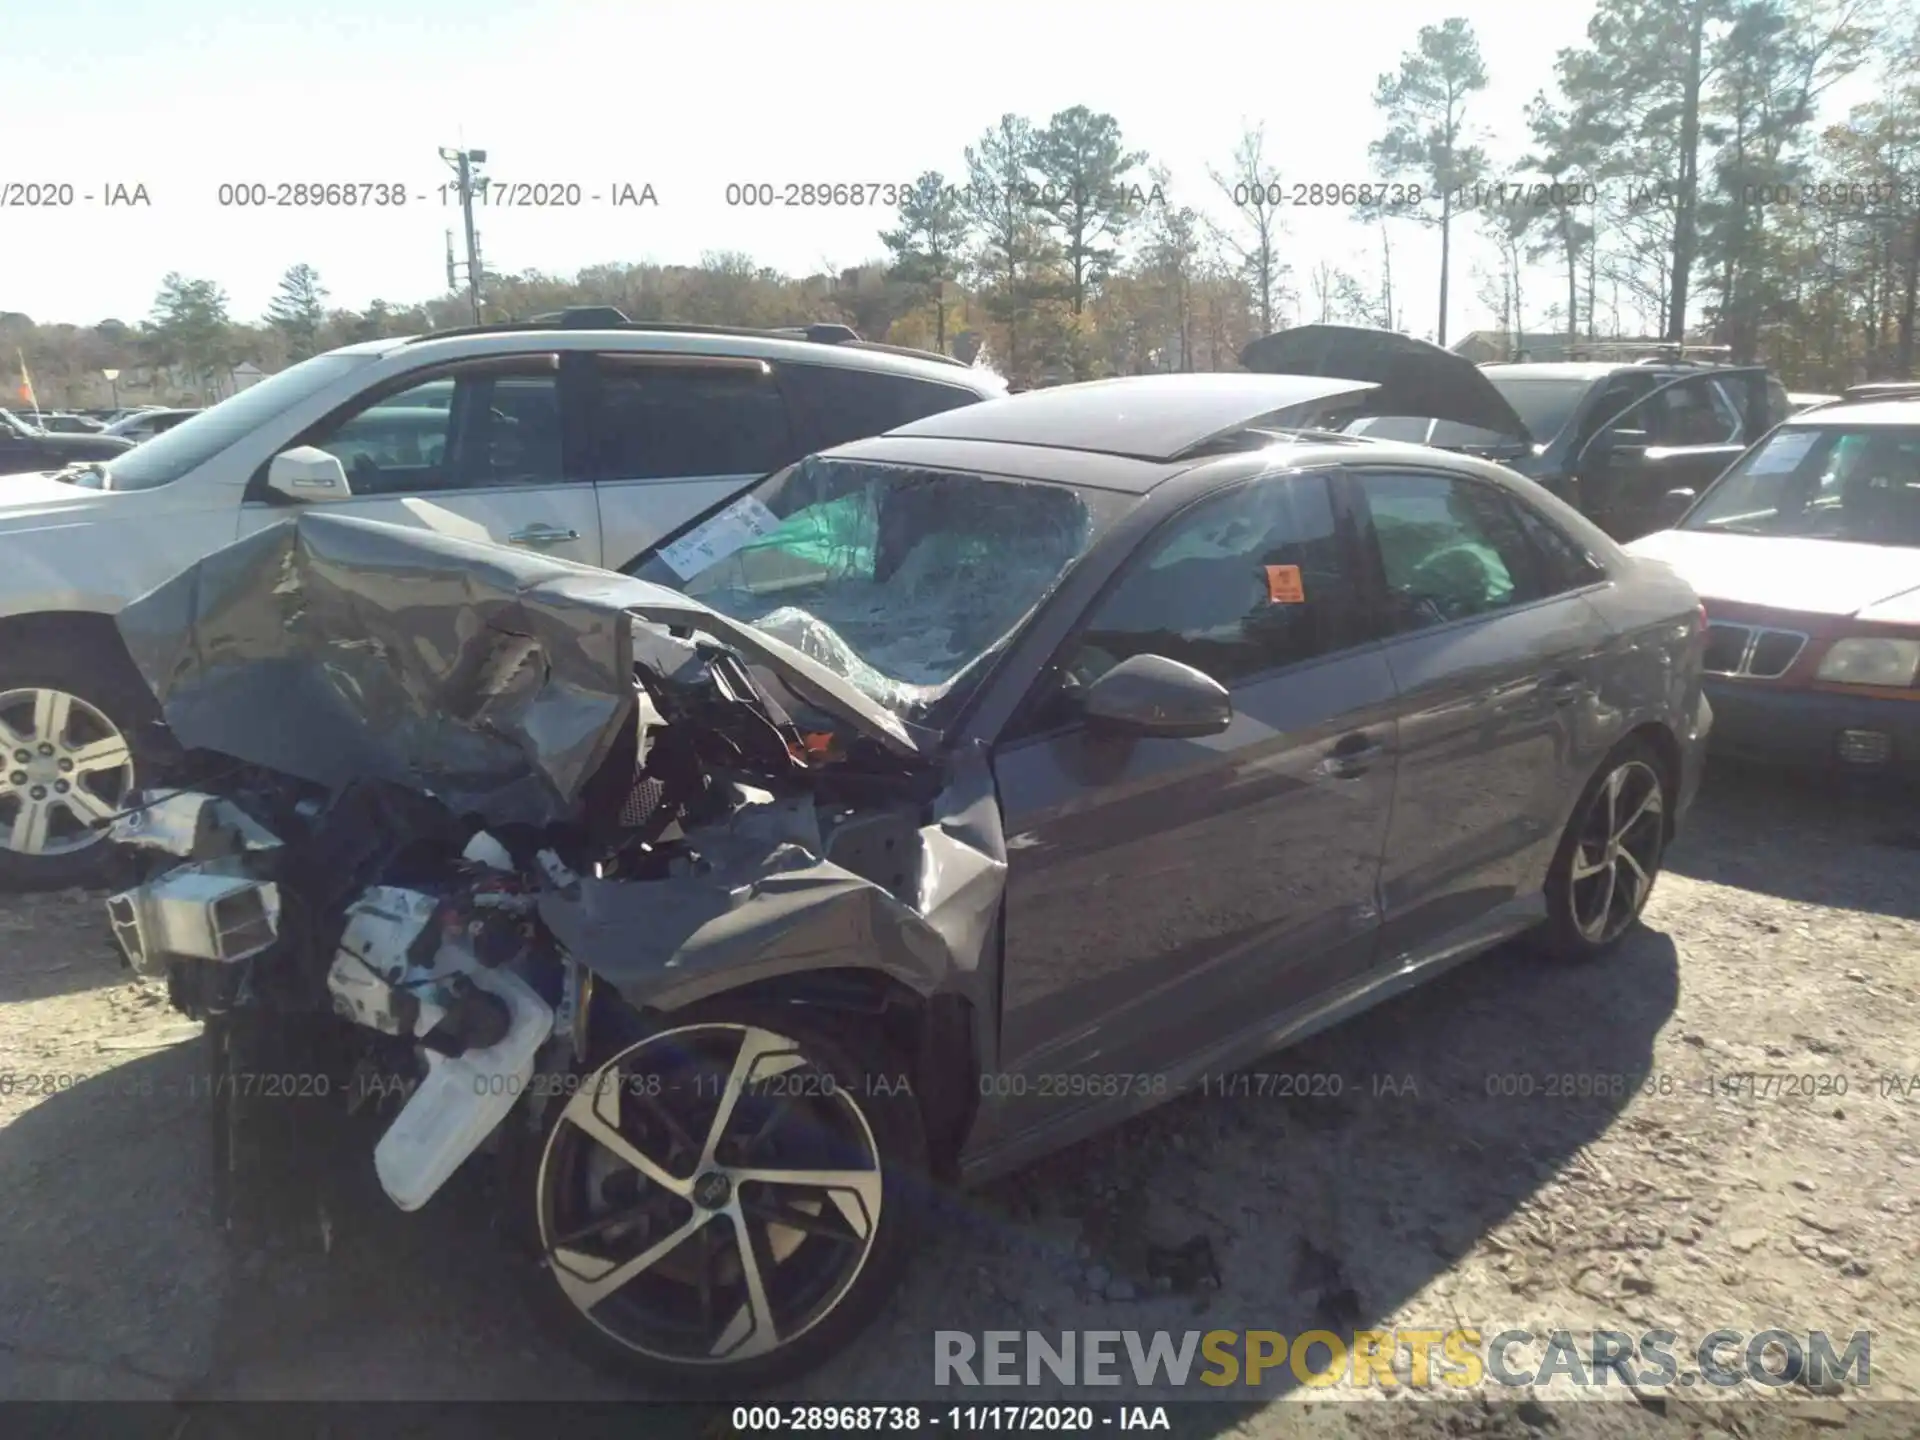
(1871, 661)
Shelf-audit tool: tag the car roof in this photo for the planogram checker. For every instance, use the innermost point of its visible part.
(1140, 417)
(1858, 412)
(1130, 475)
(1122, 473)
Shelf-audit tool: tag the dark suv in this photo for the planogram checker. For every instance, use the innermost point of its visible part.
(26, 447)
(1612, 438)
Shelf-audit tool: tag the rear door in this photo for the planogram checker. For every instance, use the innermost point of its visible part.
(1494, 652)
(489, 440)
(672, 435)
(1164, 896)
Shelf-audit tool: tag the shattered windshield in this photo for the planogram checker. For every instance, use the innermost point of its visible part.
(1821, 482)
(898, 579)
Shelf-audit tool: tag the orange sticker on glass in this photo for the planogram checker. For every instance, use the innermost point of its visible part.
(1283, 585)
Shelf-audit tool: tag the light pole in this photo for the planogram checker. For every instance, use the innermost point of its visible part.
(113, 379)
(464, 163)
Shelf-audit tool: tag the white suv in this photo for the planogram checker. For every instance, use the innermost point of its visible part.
(584, 435)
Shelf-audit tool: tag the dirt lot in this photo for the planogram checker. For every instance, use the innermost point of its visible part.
(1452, 1182)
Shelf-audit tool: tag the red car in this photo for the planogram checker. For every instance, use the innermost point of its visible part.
(1807, 555)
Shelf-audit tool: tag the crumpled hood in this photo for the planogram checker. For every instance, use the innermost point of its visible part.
(338, 649)
(1816, 577)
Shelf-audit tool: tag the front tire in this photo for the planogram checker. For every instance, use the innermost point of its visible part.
(69, 757)
(727, 1201)
(1609, 856)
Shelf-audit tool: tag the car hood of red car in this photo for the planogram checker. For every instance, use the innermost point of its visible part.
(1815, 577)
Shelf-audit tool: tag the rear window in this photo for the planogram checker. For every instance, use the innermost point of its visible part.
(840, 404)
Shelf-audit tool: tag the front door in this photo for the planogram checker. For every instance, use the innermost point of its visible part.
(1693, 430)
(1494, 652)
(1164, 894)
(488, 441)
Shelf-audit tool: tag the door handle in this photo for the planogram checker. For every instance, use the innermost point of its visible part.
(542, 535)
(1351, 757)
(1566, 688)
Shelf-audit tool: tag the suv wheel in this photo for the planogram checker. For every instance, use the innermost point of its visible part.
(726, 1202)
(69, 762)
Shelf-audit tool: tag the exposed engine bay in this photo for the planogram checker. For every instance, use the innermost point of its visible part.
(441, 791)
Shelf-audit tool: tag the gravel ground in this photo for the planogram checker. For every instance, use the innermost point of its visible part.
(1513, 1146)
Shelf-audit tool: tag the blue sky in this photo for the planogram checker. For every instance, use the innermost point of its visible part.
(687, 95)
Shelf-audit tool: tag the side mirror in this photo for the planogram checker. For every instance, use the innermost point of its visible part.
(1151, 695)
(1673, 505)
(308, 476)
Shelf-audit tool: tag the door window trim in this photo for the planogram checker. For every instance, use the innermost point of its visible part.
(1546, 562)
(256, 491)
(1375, 573)
(1012, 735)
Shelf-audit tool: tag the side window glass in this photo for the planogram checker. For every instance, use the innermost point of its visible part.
(1240, 584)
(842, 404)
(399, 444)
(660, 422)
(1449, 549)
(515, 432)
(1621, 392)
(1564, 563)
(1778, 402)
(1693, 413)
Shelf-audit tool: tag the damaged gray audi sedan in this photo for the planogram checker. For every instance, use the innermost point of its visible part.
(938, 801)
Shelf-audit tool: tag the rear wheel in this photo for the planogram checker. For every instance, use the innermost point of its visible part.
(67, 735)
(726, 1202)
(1610, 855)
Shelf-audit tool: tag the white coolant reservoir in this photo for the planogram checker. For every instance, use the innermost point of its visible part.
(463, 1098)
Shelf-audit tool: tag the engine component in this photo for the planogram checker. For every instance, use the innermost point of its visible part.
(475, 1019)
(386, 928)
(483, 849)
(190, 824)
(464, 1097)
(213, 910)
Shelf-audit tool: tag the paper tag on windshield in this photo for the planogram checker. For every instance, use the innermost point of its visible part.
(1284, 586)
(745, 520)
(1784, 452)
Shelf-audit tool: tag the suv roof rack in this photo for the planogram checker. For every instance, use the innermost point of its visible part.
(1649, 352)
(608, 317)
(1640, 352)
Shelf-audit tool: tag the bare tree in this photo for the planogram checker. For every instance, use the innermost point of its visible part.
(1252, 186)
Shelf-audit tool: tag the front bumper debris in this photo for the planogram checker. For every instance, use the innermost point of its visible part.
(447, 784)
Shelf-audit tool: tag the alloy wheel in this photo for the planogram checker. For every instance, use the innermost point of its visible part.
(1618, 852)
(709, 1195)
(65, 766)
